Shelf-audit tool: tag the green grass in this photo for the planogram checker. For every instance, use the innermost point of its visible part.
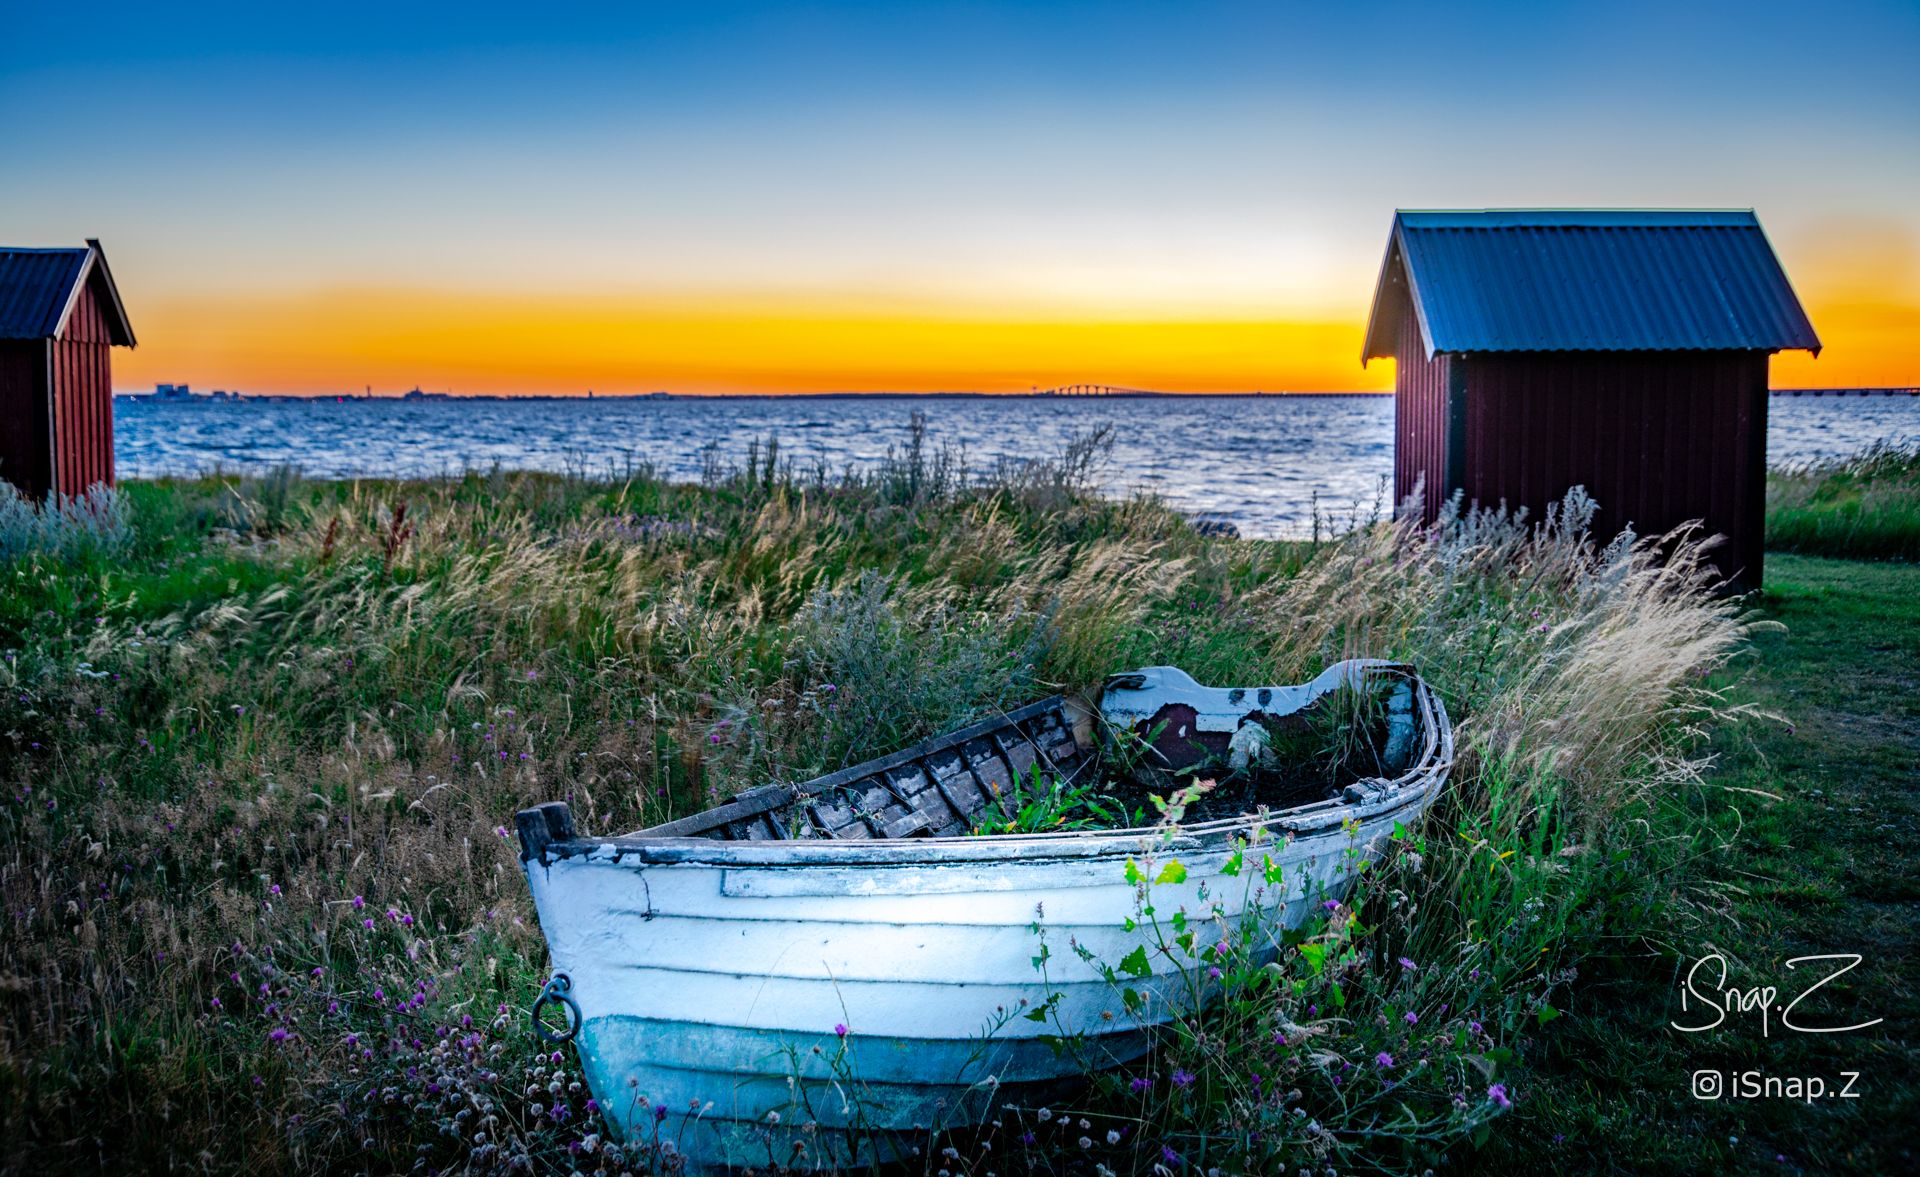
(263, 737)
(1809, 850)
(1866, 507)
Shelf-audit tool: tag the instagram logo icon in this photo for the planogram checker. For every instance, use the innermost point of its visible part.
(1706, 1085)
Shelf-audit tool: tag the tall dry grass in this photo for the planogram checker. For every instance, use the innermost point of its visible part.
(261, 910)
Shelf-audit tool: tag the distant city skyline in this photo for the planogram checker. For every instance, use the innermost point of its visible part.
(783, 198)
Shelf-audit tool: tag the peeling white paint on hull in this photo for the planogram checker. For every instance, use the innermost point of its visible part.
(878, 985)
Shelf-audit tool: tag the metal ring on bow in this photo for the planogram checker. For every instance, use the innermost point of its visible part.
(559, 992)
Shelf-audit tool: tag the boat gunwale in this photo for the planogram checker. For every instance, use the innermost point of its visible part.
(1411, 789)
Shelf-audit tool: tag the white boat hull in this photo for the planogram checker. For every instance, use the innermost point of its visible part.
(842, 995)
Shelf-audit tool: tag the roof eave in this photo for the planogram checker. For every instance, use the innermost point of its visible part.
(119, 328)
(1371, 348)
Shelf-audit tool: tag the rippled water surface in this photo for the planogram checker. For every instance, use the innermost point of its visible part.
(1258, 462)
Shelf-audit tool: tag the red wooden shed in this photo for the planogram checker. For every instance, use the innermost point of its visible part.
(1624, 351)
(60, 318)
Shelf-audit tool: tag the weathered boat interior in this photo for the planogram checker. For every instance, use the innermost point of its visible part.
(937, 788)
(949, 785)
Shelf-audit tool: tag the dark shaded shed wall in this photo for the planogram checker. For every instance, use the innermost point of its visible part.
(1419, 417)
(1657, 438)
(24, 456)
(83, 398)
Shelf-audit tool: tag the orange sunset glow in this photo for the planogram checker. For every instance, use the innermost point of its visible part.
(787, 199)
(391, 340)
(396, 340)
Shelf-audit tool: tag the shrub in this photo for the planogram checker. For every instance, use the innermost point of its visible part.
(86, 528)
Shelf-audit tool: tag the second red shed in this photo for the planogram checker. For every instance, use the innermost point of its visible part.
(60, 318)
(1620, 350)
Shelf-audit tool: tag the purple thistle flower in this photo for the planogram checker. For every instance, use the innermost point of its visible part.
(1183, 1079)
(359, 901)
(1383, 1060)
(660, 1113)
(1498, 1094)
(1407, 965)
(1475, 1028)
(839, 1029)
(1139, 1084)
(1413, 1019)
(1168, 1155)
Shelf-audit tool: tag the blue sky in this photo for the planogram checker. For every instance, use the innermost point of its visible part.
(1020, 161)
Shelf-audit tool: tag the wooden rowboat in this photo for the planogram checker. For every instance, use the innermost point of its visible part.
(811, 973)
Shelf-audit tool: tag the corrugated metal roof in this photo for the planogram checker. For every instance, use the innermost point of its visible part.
(35, 287)
(1499, 280)
(38, 289)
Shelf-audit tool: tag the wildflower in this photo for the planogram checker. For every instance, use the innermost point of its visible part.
(659, 1113)
(1044, 1114)
(1383, 1060)
(1279, 1038)
(1498, 1094)
(839, 1030)
(215, 1003)
(1331, 905)
(1213, 974)
(1407, 965)
(1182, 1079)
(1113, 1136)
(368, 923)
(279, 1034)
(1138, 1085)
(274, 890)
(359, 901)
(1168, 1155)
(1475, 1028)
(1413, 1019)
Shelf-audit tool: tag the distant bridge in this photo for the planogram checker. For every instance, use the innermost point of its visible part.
(1095, 390)
(1846, 392)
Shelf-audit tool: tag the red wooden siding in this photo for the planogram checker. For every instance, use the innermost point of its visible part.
(1419, 418)
(24, 430)
(1657, 438)
(83, 398)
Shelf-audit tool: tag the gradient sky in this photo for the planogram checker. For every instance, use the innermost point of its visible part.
(549, 198)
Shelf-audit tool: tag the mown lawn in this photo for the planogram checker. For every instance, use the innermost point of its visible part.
(1819, 858)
